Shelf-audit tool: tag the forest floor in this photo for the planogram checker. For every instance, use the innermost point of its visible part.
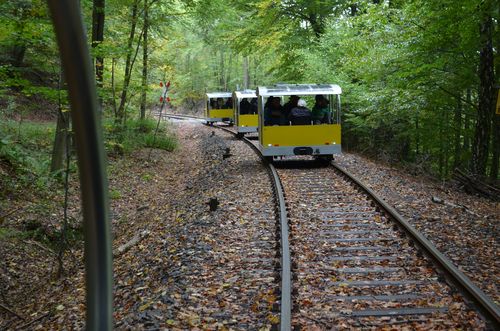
(162, 200)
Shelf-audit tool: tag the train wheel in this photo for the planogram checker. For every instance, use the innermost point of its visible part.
(240, 135)
(269, 159)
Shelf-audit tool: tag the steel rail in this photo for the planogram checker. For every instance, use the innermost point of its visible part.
(483, 302)
(286, 274)
(286, 278)
(68, 24)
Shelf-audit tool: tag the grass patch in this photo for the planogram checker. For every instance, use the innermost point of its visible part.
(25, 152)
(136, 134)
(7, 233)
(115, 194)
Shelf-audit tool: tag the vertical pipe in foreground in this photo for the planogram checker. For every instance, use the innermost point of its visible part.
(67, 19)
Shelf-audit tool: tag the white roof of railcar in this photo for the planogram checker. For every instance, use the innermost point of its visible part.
(298, 89)
(244, 94)
(219, 95)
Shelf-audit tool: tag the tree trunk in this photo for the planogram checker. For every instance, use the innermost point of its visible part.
(227, 80)
(145, 60)
(457, 119)
(61, 140)
(441, 147)
(18, 50)
(486, 94)
(466, 147)
(128, 64)
(221, 71)
(496, 147)
(246, 73)
(417, 135)
(113, 87)
(495, 162)
(98, 36)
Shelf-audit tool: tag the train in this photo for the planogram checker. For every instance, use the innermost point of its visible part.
(219, 108)
(308, 123)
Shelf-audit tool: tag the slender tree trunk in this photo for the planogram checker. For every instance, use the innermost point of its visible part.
(255, 66)
(145, 59)
(221, 70)
(446, 142)
(61, 140)
(128, 62)
(457, 119)
(466, 147)
(98, 11)
(113, 87)
(486, 94)
(228, 75)
(417, 135)
(441, 147)
(18, 50)
(495, 162)
(246, 74)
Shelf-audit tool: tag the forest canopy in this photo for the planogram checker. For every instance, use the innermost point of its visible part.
(420, 77)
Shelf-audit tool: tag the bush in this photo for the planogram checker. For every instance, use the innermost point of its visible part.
(136, 134)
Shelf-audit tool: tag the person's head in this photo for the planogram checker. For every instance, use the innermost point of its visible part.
(321, 100)
(276, 102)
(294, 99)
(301, 103)
(220, 101)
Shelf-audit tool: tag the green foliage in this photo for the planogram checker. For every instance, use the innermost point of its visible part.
(403, 65)
(34, 229)
(115, 194)
(136, 134)
(25, 150)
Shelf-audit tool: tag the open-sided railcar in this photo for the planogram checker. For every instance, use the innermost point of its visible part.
(218, 107)
(245, 111)
(319, 140)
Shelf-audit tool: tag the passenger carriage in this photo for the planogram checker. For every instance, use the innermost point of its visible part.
(320, 139)
(245, 112)
(219, 107)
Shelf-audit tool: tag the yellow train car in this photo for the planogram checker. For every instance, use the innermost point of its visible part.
(290, 129)
(219, 107)
(245, 112)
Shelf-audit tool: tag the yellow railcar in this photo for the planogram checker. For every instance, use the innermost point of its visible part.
(245, 111)
(321, 138)
(219, 107)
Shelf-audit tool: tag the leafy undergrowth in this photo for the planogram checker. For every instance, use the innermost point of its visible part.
(31, 215)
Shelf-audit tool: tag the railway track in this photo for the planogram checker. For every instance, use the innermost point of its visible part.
(353, 262)
(356, 267)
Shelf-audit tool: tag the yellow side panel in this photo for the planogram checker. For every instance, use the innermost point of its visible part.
(220, 113)
(301, 135)
(248, 120)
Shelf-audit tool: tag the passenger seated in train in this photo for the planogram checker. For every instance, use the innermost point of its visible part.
(320, 111)
(273, 112)
(213, 103)
(245, 107)
(228, 104)
(300, 115)
(220, 103)
(253, 106)
(292, 103)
